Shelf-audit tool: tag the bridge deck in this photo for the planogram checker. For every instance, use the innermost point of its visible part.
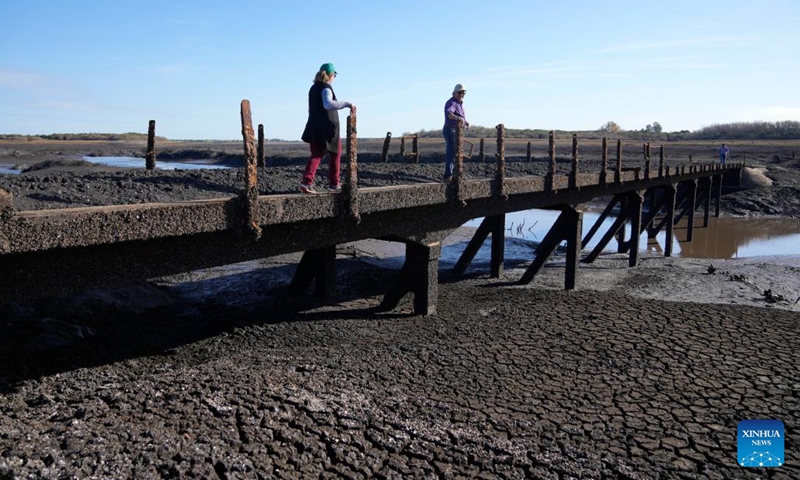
(82, 247)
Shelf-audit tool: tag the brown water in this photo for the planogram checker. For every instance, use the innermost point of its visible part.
(735, 238)
(725, 237)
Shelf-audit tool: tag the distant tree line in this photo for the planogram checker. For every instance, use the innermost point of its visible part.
(130, 136)
(783, 130)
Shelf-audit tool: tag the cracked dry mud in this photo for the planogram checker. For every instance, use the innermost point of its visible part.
(207, 375)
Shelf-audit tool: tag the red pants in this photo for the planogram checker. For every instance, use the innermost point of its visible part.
(334, 162)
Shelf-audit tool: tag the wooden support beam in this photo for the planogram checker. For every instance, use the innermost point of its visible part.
(494, 226)
(615, 200)
(317, 266)
(568, 226)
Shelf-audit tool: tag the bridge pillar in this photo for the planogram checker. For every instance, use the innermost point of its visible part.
(670, 194)
(317, 266)
(420, 276)
(691, 206)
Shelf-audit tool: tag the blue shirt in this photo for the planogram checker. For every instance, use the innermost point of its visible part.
(456, 108)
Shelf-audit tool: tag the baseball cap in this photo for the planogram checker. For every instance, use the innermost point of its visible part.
(327, 68)
(459, 87)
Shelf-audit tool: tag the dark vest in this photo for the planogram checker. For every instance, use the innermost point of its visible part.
(322, 125)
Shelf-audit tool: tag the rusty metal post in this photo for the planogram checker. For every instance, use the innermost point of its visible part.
(403, 146)
(481, 155)
(500, 174)
(6, 204)
(551, 174)
(661, 156)
(250, 194)
(458, 175)
(573, 176)
(618, 171)
(528, 156)
(415, 149)
(387, 142)
(260, 149)
(150, 157)
(604, 166)
(646, 160)
(350, 186)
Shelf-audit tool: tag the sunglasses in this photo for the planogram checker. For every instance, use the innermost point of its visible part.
(462, 92)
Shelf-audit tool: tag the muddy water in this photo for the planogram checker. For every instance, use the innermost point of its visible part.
(723, 238)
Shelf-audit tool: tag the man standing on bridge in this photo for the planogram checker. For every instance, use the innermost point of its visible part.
(453, 116)
(723, 154)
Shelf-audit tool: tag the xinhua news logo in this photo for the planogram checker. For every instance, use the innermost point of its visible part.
(760, 443)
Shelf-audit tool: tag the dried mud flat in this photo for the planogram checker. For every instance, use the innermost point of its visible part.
(226, 374)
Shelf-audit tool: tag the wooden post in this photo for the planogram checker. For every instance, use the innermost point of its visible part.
(415, 149)
(150, 157)
(661, 157)
(250, 193)
(528, 157)
(646, 160)
(551, 151)
(387, 142)
(350, 186)
(458, 175)
(573, 176)
(403, 146)
(618, 172)
(260, 149)
(481, 155)
(500, 173)
(604, 166)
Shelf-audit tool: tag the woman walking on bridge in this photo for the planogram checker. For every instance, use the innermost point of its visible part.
(322, 129)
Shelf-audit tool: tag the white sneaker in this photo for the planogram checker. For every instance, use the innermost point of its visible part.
(308, 189)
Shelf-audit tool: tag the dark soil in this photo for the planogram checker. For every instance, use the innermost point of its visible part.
(232, 376)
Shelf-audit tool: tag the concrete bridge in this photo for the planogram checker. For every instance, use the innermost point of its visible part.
(59, 251)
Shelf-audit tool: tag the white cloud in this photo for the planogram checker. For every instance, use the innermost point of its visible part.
(21, 80)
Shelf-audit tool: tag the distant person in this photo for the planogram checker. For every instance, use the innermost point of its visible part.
(453, 116)
(723, 154)
(322, 129)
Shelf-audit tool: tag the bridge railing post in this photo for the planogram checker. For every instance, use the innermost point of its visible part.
(150, 156)
(500, 174)
(350, 186)
(457, 183)
(260, 148)
(250, 193)
(481, 155)
(387, 142)
(573, 175)
(604, 165)
(646, 148)
(618, 170)
(661, 158)
(551, 151)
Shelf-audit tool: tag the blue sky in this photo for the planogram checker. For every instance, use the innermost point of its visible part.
(111, 66)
